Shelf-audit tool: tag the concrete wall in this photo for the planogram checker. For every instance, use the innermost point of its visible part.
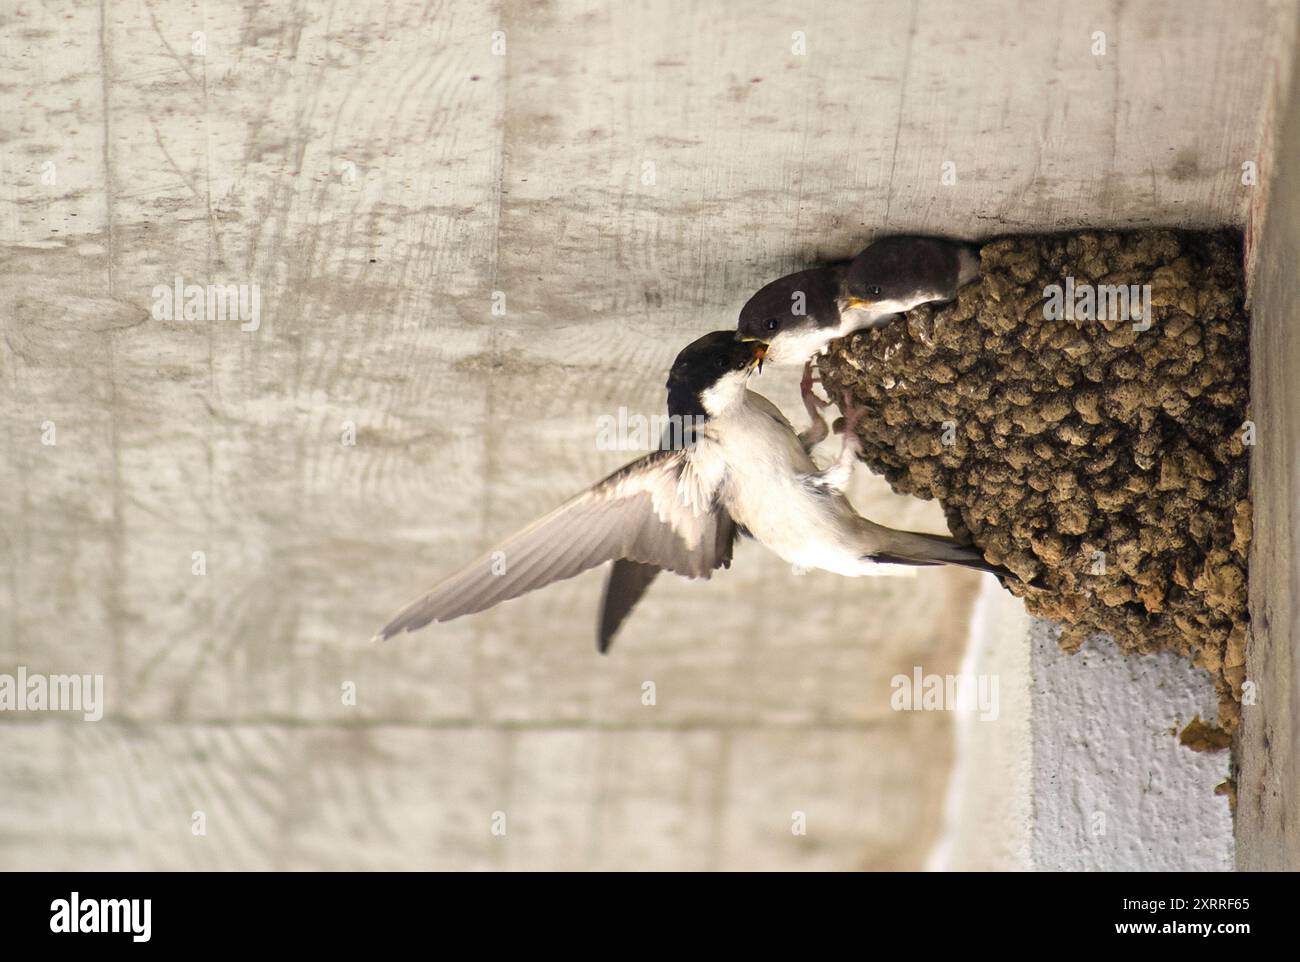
(1268, 824)
(624, 175)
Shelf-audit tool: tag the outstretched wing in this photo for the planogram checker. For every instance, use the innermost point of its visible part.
(660, 510)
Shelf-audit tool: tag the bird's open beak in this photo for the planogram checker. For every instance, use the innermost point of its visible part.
(854, 304)
(760, 352)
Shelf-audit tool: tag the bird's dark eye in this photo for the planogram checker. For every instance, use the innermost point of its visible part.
(874, 291)
(773, 323)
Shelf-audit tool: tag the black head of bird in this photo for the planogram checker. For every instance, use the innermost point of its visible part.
(705, 364)
(805, 300)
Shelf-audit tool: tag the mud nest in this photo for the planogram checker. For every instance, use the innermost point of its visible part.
(1105, 465)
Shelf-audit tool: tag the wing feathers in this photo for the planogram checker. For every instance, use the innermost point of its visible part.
(640, 513)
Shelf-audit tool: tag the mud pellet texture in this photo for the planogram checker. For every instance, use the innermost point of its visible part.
(1105, 465)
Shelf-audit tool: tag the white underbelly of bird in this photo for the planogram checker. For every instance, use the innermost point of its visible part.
(772, 489)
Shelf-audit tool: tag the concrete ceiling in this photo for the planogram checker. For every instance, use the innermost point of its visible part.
(624, 175)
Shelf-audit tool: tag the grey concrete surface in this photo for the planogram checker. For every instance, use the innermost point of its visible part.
(1268, 781)
(623, 175)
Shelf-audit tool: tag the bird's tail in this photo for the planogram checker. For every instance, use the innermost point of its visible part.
(915, 548)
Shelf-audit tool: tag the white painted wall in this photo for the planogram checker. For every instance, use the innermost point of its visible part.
(1082, 770)
(1113, 789)
(989, 812)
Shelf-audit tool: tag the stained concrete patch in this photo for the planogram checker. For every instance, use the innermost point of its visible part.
(1096, 448)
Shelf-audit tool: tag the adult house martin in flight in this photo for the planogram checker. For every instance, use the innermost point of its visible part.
(680, 509)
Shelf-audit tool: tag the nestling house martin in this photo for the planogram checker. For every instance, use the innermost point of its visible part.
(895, 274)
(800, 314)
